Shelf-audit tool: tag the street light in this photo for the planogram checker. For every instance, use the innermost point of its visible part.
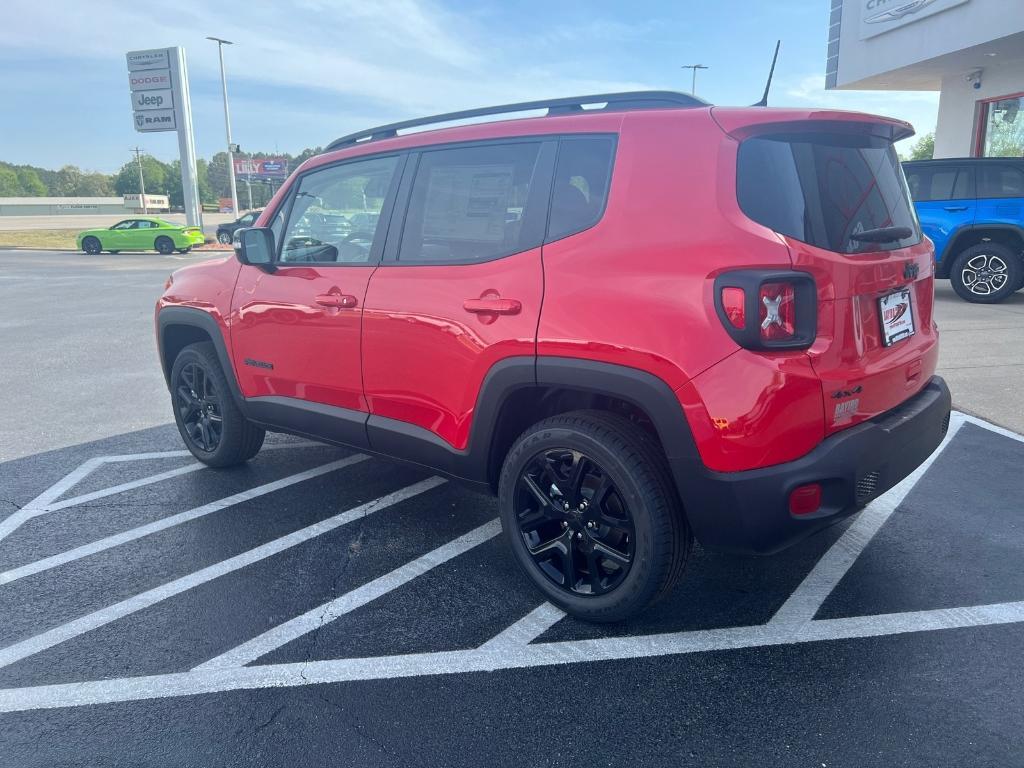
(694, 67)
(227, 122)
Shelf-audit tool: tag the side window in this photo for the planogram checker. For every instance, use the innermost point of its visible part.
(582, 176)
(142, 224)
(335, 212)
(963, 187)
(470, 204)
(1000, 181)
(123, 225)
(939, 182)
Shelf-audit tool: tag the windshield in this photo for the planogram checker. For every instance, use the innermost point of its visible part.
(825, 189)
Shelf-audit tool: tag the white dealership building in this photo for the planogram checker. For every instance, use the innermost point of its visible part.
(971, 51)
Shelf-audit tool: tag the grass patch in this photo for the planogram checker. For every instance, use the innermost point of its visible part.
(39, 238)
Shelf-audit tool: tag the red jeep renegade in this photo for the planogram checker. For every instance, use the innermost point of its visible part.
(638, 323)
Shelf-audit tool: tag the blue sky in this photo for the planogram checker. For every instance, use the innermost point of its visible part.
(305, 72)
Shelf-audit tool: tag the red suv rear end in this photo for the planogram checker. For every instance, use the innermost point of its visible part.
(636, 323)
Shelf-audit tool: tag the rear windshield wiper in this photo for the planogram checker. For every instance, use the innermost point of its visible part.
(882, 235)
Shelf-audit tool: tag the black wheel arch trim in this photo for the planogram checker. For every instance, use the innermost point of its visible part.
(169, 317)
(949, 253)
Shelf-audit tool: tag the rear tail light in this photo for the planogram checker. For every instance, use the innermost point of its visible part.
(768, 309)
(733, 302)
(777, 304)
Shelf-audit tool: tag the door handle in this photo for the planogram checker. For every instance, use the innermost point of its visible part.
(953, 208)
(493, 306)
(336, 300)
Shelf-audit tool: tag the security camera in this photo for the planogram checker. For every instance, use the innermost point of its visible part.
(974, 78)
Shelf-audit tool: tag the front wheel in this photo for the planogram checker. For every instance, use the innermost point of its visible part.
(986, 273)
(164, 245)
(590, 512)
(210, 423)
(224, 238)
(92, 246)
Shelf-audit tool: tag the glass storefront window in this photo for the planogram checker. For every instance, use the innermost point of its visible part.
(1003, 126)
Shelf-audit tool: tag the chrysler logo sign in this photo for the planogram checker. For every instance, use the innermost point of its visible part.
(876, 16)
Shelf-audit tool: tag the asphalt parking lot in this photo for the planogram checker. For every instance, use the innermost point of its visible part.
(320, 605)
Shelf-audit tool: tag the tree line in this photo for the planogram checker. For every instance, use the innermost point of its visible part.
(161, 179)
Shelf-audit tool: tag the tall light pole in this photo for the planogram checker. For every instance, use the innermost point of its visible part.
(693, 82)
(227, 122)
(142, 182)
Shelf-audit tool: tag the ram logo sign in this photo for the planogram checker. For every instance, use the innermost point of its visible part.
(878, 16)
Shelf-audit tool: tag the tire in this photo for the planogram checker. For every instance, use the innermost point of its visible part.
(986, 273)
(92, 246)
(224, 238)
(644, 517)
(164, 245)
(199, 388)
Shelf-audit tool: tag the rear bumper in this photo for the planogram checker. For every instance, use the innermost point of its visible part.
(748, 512)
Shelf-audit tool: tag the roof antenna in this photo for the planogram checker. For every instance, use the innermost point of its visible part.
(764, 99)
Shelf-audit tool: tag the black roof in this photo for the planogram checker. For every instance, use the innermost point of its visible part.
(612, 102)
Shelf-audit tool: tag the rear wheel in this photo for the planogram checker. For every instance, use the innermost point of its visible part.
(210, 423)
(164, 245)
(589, 510)
(986, 273)
(91, 245)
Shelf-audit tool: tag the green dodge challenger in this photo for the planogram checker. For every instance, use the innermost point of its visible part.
(144, 233)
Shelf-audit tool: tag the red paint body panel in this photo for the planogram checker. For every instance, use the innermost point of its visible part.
(425, 355)
(314, 349)
(206, 286)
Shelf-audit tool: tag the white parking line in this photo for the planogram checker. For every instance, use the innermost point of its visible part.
(89, 622)
(45, 502)
(334, 609)
(505, 657)
(803, 604)
(527, 629)
(117, 539)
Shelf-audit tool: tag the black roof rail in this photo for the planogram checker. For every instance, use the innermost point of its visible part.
(612, 102)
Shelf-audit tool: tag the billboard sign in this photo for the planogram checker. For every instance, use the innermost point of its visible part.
(262, 168)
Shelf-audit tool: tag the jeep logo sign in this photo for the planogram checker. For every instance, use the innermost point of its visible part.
(144, 100)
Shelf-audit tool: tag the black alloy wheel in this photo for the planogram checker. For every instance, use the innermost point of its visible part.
(576, 526)
(590, 512)
(91, 245)
(164, 245)
(198, 404)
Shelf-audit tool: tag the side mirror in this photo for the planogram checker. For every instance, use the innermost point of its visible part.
(255, 246)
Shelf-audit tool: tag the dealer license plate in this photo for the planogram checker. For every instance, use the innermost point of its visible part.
(897, 317)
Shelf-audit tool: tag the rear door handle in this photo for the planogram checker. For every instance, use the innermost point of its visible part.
(952, 208)
(493, 306)
(336, 300)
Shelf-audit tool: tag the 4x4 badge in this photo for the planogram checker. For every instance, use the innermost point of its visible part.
(911, 270)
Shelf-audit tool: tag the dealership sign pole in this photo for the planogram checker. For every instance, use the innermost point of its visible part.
(158, 80)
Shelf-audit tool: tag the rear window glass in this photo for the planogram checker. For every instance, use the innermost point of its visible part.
(824, 189)
(582, 175)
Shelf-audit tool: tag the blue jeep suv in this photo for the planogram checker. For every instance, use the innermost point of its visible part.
(973, 210)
